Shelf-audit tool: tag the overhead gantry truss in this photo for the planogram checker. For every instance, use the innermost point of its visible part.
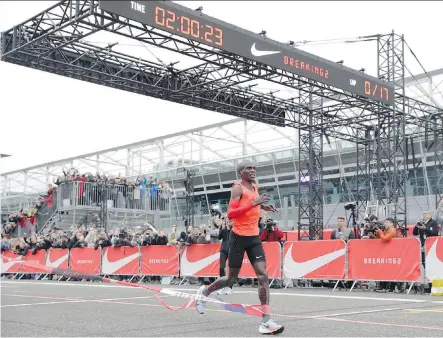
(55, 41)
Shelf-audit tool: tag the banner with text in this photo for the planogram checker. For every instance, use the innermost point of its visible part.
(160, 260)
(39, 258)
(85, 260)
(396, 260)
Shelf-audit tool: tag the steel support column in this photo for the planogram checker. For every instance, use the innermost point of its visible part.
(392, 166)
(310, 184)
(362, 183)
(189, 186)
(438, 158)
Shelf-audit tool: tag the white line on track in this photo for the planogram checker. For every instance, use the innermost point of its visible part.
(69, 300)
(322, 318)
(424, 310)
(410, 300)
(47, 303)
(354, 313)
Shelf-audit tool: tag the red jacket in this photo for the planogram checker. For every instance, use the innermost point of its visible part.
(274, 236)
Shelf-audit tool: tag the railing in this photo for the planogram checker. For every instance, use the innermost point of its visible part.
(46, 213)
(92, 194)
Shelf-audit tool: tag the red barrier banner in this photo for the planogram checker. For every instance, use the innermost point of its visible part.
(85, 260)
(201, 260)
(314, 260)
(273, 262)
(396, 260)
(434, 258)
(120, 261)
(160, 260)
(38, 258)
(57, 258)
(8, 266)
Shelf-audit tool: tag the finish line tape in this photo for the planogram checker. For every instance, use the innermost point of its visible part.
(250, 310)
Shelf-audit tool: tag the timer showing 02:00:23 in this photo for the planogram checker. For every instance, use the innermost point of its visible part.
(187, 26)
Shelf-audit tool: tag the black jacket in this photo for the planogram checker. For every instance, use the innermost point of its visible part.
(430, 231)
(223, 235)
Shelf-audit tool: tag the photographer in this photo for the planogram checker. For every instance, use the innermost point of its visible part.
(426, 228)
(121, 239)
(102, 241)
(271, 232)
(370, 227)
(387, 232)
(342, 232)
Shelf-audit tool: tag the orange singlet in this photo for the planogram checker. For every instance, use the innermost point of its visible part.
(247, 224)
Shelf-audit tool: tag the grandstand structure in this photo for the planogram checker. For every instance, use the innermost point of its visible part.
(316, 140)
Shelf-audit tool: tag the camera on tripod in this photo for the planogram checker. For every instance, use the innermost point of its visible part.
(351, 206)
(371, 225)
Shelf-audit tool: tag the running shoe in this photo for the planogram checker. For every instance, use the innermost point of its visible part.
(228, 291)
(200, 305)
(270, 327)
(220, 292)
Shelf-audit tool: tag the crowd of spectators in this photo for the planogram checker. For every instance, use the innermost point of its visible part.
(119, 191)
(95, 237)
(26, 218)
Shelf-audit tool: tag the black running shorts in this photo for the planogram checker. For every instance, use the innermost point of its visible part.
(238, 245)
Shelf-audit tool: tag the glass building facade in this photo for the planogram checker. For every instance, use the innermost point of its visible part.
(277, 174)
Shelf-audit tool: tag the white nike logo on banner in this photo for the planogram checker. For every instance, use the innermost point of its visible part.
(111, 267)
(191, 268)
(256, 52)
(434, 266)
(7, 265)
(57, 262)
(294, 270)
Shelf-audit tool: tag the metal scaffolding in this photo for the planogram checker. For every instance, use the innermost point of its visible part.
(55, 41)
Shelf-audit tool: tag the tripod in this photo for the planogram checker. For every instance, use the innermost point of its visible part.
(353, 217)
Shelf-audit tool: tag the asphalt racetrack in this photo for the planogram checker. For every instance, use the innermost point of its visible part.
(69, 309)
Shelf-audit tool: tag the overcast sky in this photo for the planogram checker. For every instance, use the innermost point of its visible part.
(45, 117)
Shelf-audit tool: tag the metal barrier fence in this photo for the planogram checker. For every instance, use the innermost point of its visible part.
(92, 194)
(399, 260)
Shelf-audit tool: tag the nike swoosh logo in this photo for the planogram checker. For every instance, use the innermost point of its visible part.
(434, 266)
(7, 265)
(294, 270)
(191, 268)
(256, 52)
(111, 267)
(57, 262)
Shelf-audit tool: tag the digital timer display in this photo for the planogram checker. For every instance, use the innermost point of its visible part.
(194, 25)
(188, 26)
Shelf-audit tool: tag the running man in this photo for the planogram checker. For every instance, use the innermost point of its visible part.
(244, 213)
